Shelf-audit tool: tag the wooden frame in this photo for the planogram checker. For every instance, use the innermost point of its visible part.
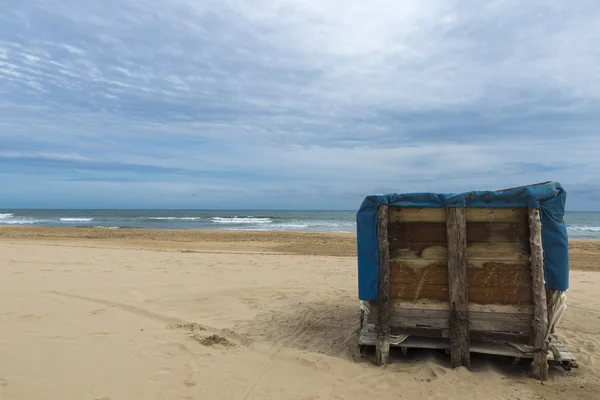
(461, 323)
(383, 287)
(540, 313)
(456, 226)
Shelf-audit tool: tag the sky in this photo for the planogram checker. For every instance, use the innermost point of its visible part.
(294, 104)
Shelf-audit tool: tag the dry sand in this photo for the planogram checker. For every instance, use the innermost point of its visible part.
(98, 314)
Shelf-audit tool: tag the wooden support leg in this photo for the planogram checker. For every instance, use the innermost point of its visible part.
(383, 289)
(456, 225)
(540, 314)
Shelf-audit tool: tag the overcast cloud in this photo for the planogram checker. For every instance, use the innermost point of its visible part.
(294, 104)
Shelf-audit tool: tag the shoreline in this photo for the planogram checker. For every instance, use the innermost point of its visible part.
(583, 253)
(336, 244)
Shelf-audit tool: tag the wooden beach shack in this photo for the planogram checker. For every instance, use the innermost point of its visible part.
(477, 272)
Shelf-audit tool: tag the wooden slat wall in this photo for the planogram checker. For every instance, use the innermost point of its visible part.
(501, 251)
(409, 232)
(489, 215)
(497, 251)
(478, 321)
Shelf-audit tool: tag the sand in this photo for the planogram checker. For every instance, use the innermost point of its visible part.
(99, 314)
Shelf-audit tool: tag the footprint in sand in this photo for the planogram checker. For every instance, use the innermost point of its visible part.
(188, 383)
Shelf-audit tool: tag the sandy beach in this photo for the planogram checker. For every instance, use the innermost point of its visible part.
(135, 314)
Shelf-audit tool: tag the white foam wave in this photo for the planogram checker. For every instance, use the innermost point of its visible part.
(174, 218)
(327, 224)
(6, 215)
(584, 228)
(22, 221)
(76, 219)
(273, 227)
(241, 220)
(290, 226)
(106, 227)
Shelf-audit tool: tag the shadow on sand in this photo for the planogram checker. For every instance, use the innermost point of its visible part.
(331, 328)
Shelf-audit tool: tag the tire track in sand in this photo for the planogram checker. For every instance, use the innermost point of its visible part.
(142, 312)
(284, 340)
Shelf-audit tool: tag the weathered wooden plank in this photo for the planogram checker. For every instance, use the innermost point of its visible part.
(540, 314)
(441, 305)
(410, 232)
(477, 250)
(477, 294)
(515, 326)
(383, 288)
(416, 214)
(487, 273)
(417, 263)
(368, 338)
(503, 337)
(444, 314)
(490, 215)
(560, 353)
(478, 321)
(460, 354)
(423, 332)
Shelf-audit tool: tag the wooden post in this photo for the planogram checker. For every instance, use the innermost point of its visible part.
(383, 288)
(540, 314)
(456, 227)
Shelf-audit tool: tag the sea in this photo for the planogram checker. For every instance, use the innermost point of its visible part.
(580, 225)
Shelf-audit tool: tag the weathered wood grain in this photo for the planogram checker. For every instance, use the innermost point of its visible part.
(482, 273)
(491, 346)
(490, 215)
(502, 337)
(443, 305)
(478, 321)
(401, 233)
(477, 250)
(478, 294)
(383, 288)
(456, 226)
(540, 314)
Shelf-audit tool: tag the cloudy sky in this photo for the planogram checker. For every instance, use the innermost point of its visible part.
(294, 103)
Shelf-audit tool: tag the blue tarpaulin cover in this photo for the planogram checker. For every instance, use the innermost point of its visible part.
(549, 197)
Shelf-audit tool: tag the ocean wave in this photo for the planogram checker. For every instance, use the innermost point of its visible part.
(241, 220)
(174, 218)
(22, 221)
(6, 215)
(584, 228)
(327, 224)
(76, 219)
(290, 226)
(106, 227)
(273, 227)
